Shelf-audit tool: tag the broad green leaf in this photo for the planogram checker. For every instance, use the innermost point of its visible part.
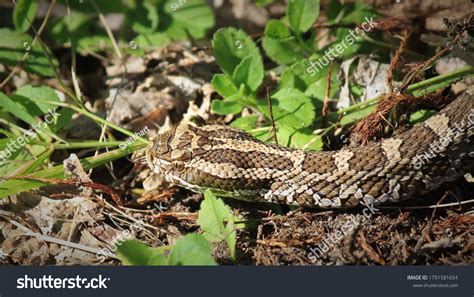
(193, 16)
(290, 108)
(154, 40)
(16, 109)
(85, 6)
(302, 14)
(317, 89)
(143, 17)
(223, 85)
(28, 96)
(249, 73)
(88, 35)
(217, 221)
(305, 139)
(133, 252)
(24, 14)
(13, 45)
(300, 75)
(283, 50)
(231, 46)
(192, 249)
(276, 29)
(225, 107)
(159, 256)
(245, 123)
(279, 45)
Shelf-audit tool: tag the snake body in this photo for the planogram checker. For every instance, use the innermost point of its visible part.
(233, 163)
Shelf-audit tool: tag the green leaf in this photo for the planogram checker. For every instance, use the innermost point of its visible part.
(305, 139)
(217, 221)
(231, 46)
(223, 85)
(249, 73)
(85, 6)
(193, 16)
(279, 45)
(225, 107)
(192, 249)
(246, 123)
(276, 29)
(154, 40)
(28, 96)
(133, 252)
(302, 14)
(299, 75)
(284, 50)
(143, 16)
(317, 89)
(16, 109)
(13, 45)
(24, 14)
(290, 108)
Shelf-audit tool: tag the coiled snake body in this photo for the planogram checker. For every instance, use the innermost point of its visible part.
(233, 163)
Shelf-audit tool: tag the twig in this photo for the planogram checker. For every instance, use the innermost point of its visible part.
(49, 238)
(325, 111)
(270, 111)
(107, 29)
(422, 66)
(396, 58)
(427, 229)
(428, 206)
(373, 255)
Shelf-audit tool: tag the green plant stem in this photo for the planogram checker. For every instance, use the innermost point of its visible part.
(20, 184)
(444, 79)
(95, 118)
(79, 144)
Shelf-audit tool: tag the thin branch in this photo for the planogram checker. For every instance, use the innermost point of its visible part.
(270, 111)
(325, 111)
(396, 58)
(46, 238)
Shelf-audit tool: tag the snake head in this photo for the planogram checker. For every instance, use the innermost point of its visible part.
(171, 150)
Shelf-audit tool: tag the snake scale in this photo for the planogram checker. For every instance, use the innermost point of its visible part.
(233, 163)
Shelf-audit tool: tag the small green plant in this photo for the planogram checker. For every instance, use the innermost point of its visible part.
(217, 223)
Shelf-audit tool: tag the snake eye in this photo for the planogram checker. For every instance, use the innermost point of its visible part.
(178, 166)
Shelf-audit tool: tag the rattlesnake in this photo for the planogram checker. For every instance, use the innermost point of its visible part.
(233, 163)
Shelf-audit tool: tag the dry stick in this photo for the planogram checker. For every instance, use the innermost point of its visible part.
(396, 58)
(424, 65)
(427, 229)
(49, 238)
(325, 111)
(270, 111)
(33, 42)
(107, 29)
